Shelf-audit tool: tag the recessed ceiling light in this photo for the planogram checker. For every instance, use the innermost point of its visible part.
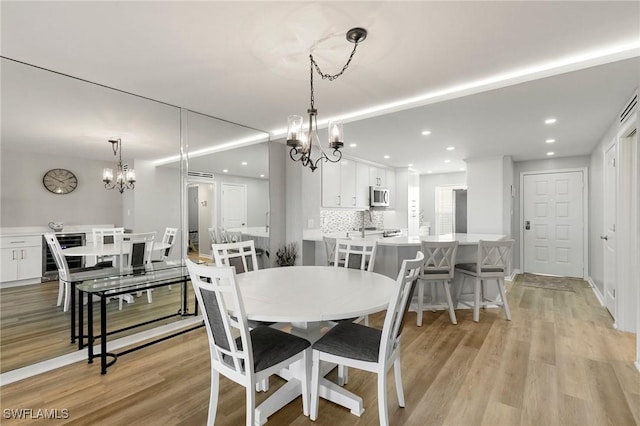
(353, 145)
(429, 172)
(426, 132)
(225, 171)
(451, 148)
(261, 175)
(550, 140)
(447, 161)
(386, 157)
(244, 163)
(462, 169)
(410, 165)
(550, 153)
(550, 121)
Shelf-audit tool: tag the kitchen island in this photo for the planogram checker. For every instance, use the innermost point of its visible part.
(391, 251)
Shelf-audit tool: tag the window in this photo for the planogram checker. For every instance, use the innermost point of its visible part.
(444, 208)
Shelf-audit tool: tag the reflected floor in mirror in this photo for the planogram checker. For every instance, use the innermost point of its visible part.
(34, 329)
(558, 362)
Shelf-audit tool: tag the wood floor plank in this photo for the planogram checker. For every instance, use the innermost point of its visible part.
(558, 362)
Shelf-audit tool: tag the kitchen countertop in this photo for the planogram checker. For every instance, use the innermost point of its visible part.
(463, 239)
(26, 231)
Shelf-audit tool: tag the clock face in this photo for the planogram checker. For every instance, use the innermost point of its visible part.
(60, 181)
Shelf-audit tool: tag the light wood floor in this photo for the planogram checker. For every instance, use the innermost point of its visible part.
(558, 362)
(34, 329)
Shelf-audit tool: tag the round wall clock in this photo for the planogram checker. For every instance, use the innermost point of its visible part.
(60, 181)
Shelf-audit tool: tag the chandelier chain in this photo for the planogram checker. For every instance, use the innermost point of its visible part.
(329, 77)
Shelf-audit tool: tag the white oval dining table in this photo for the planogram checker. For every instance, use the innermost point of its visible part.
(307, 297)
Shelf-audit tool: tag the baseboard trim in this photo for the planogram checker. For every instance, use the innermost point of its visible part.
(78, 356)
(514, 275)
(596, 291)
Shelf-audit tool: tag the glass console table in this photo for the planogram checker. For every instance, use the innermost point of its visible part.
(113, 282)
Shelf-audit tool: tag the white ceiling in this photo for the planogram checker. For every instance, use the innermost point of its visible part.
(248, 62)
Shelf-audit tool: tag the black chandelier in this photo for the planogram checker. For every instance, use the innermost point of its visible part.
(301, 143)
(125, 177)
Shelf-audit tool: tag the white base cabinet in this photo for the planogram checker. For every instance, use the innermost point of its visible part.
(20, 258)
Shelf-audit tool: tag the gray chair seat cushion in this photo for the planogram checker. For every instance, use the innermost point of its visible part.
(271, 346)
(435, 271)
(472, 267)
(351, 340)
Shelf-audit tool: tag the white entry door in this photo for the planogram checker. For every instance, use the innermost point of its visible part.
(609, 237)
(553, 223)
(234, 205)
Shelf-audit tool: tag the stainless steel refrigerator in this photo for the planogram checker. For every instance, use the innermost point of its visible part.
(460, 211)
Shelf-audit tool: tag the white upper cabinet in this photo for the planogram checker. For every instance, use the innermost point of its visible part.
(377, 177)
(362, 185)
(346, 183)
(391, 186)
(330, 184)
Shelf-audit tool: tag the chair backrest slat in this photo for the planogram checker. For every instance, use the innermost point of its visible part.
(399, 304)
(439, 256)
(241, 255)
(356, 254)
(219, 296)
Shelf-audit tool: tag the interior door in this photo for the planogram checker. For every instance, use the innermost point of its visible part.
(609, 237)
(234, 205)
(553, 224)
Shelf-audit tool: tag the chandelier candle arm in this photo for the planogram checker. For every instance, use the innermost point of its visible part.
(301, 144)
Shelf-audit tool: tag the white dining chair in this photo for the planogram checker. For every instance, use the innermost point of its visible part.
(65, 275)
(355, 254)
(253, 355)
(106, 236)
(492, 263)
(330, 248)
(169, 238)
(241, 255)
(439, 266)
(139, 255)
(367, 348)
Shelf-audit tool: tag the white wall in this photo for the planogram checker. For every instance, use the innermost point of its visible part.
(157, 202)
(485, 195)
(278, 189)
(428, 183)
(26, 202)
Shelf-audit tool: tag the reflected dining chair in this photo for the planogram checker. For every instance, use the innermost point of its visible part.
(367, 348)
(439, 266)
(169, 237)
(65, 275)
(106, 236)
(492, 263)
(252, 356)
(139, 255)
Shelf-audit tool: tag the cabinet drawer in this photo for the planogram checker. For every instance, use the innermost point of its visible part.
(24, 241)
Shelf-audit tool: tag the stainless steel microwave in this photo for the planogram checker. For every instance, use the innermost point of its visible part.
(378, 197)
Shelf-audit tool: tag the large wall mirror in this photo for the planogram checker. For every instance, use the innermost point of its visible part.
(53, 121)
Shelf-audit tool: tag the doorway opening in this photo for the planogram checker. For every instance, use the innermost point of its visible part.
(201, 214)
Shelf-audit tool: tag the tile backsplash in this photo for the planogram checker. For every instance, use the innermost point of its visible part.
(348, 220)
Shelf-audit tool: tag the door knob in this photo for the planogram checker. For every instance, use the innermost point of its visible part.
(604, 237)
